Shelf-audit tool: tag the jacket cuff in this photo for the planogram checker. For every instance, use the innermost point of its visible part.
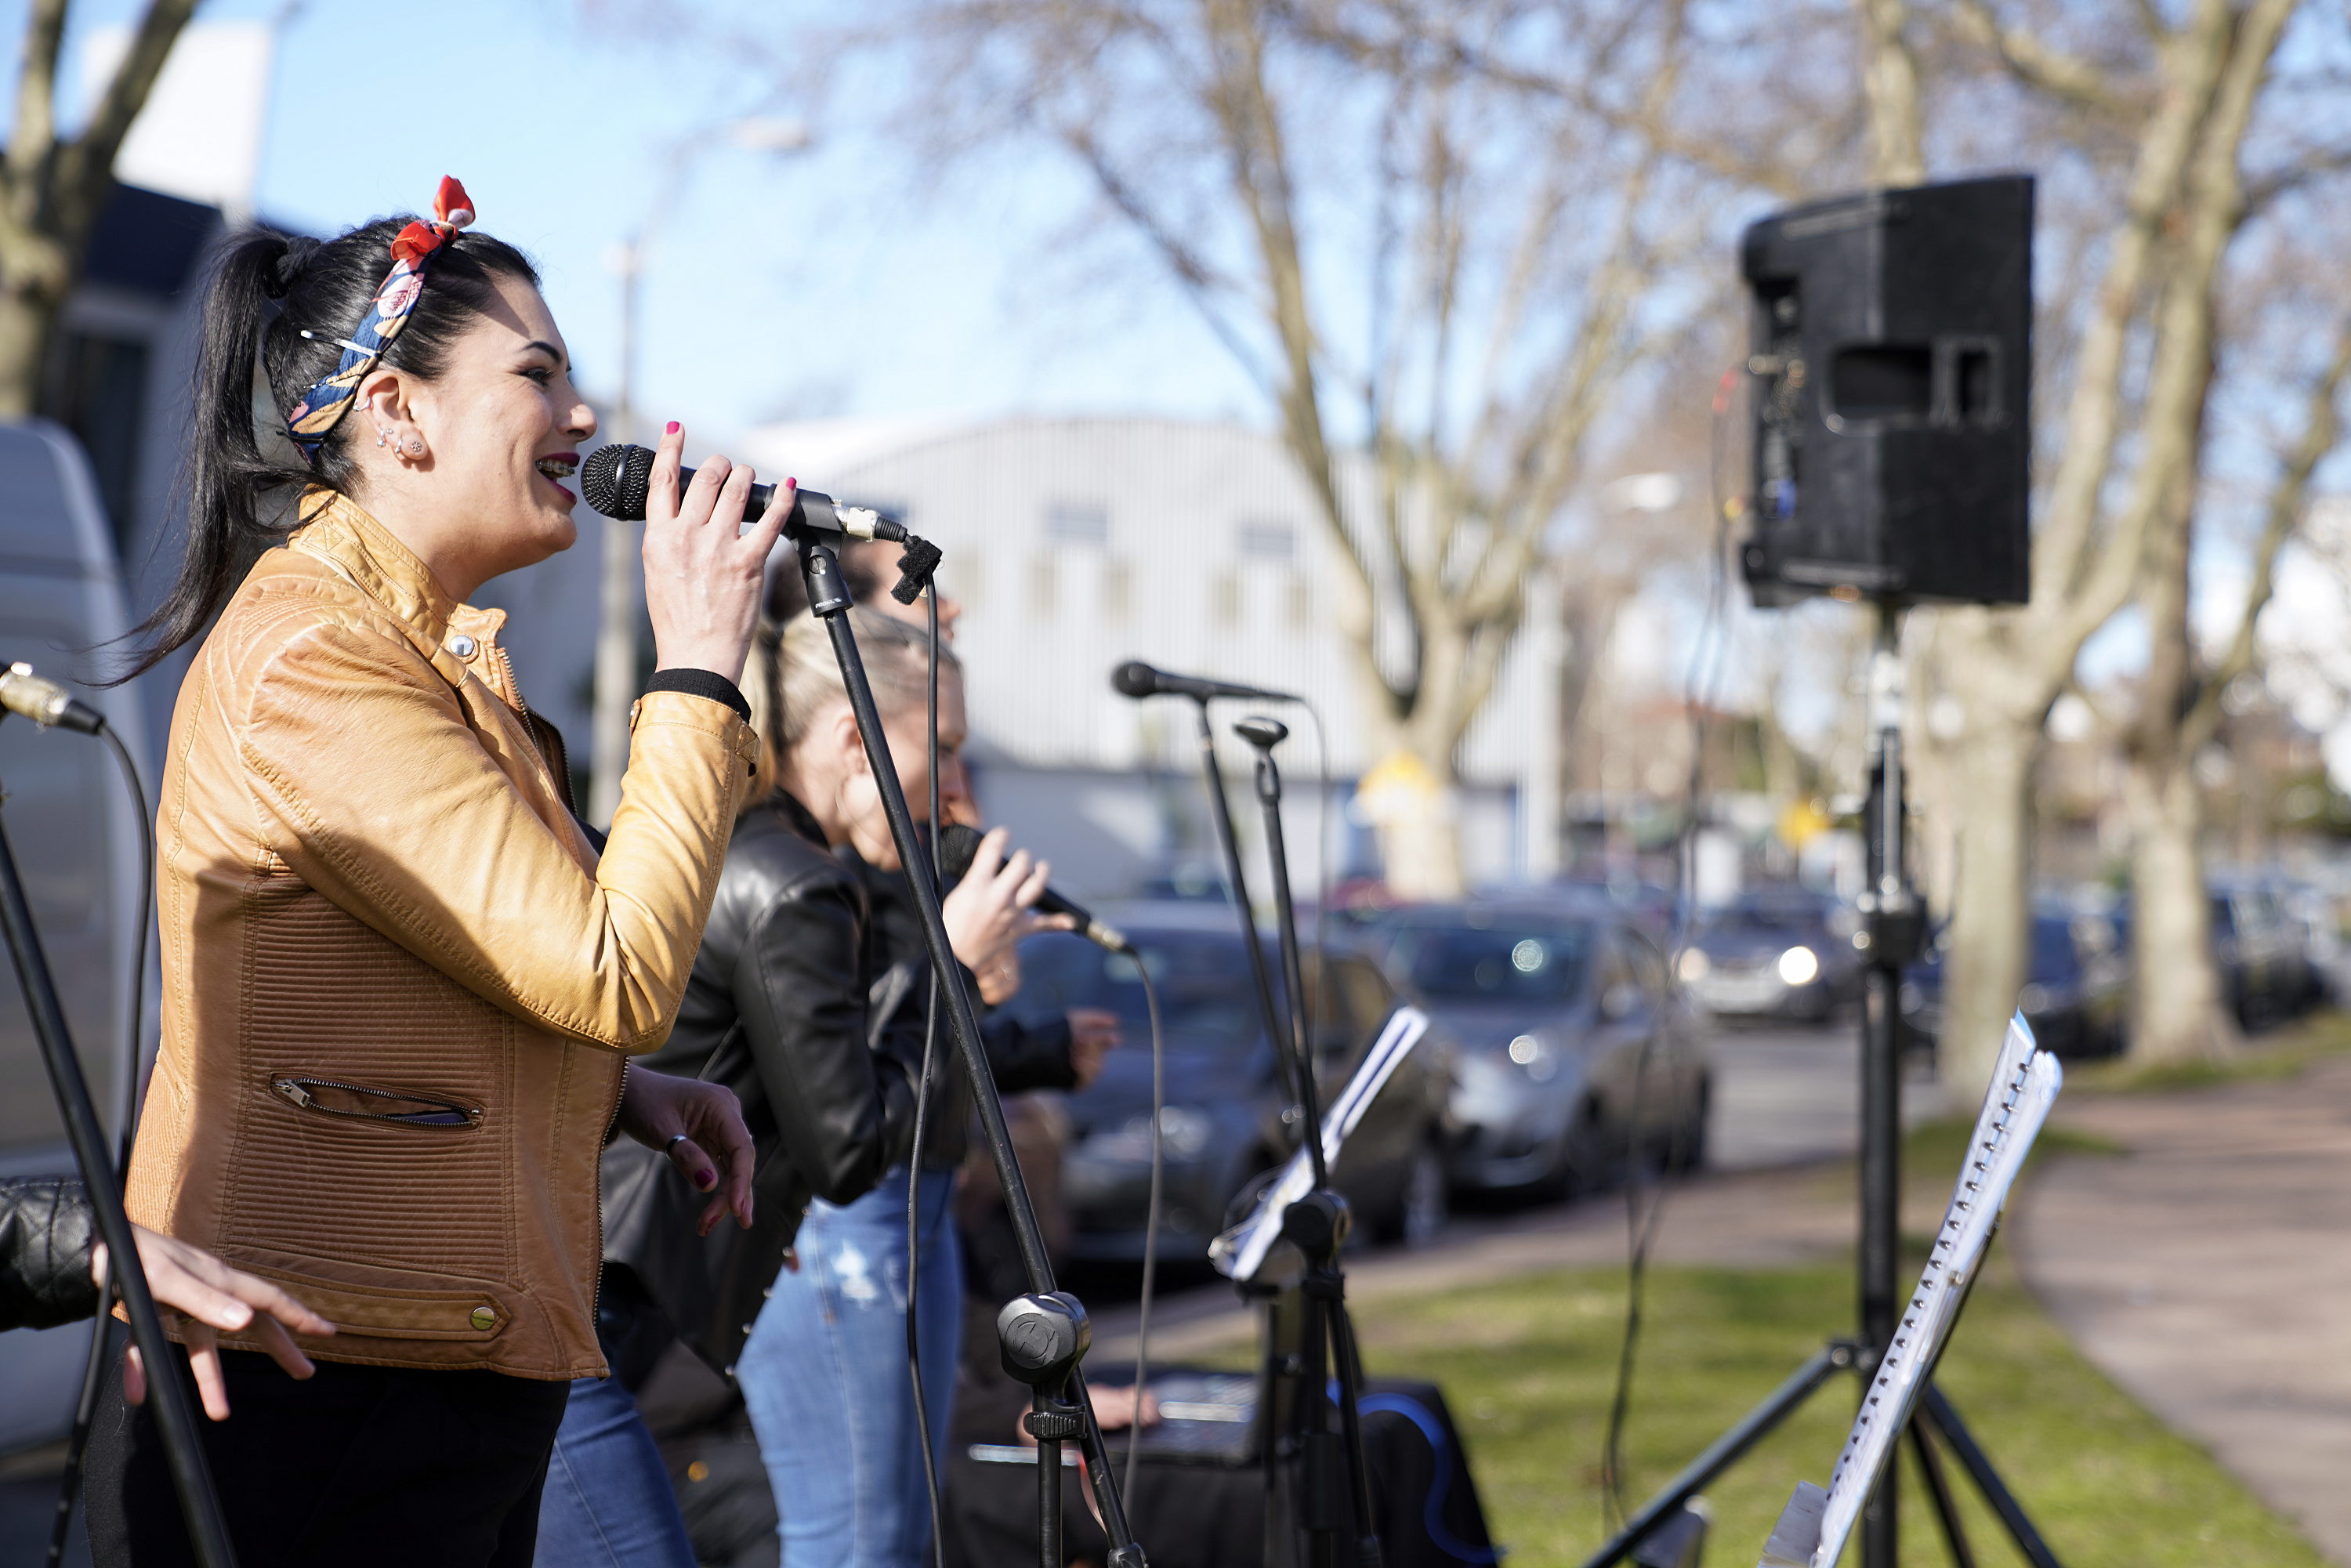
(707, 683)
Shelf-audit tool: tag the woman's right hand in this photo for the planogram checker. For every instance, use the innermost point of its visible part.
(705, 576)
(988, 913)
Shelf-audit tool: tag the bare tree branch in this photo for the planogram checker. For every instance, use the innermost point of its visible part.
(2039, 66)
(2322, 429)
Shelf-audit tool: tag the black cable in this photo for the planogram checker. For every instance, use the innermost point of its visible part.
(921, 1115)
(101, 1337)
(1702, 683)
(1150, 1221)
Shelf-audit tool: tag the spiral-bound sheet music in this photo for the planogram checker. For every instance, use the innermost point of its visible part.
(1240, 1252)
(1812, 1531)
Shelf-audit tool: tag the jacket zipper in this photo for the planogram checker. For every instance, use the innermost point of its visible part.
(296, 1089)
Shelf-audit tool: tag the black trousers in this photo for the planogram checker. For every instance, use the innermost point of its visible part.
(357, 1467)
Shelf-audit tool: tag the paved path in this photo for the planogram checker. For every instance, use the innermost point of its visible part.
(2208, 1270)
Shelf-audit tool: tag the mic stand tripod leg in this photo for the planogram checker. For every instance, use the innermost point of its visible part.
(829, 601)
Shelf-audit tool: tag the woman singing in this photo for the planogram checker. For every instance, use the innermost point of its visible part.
(400, 984)
(794, 1004)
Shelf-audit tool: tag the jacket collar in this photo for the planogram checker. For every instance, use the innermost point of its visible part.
(339, 531)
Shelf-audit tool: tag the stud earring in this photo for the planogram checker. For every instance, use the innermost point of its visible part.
(415, 446)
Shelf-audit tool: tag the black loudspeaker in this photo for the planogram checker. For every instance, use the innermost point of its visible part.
(1893, 371)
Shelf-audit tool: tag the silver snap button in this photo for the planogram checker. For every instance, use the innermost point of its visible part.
(462, 645)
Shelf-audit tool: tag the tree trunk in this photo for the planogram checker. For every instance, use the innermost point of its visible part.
(1985, 966)
(1416, 805)
(2179, 1014)
(26, 319)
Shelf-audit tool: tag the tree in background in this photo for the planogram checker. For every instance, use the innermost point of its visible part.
(1450, 238)
(53, 188)
(2144, 126)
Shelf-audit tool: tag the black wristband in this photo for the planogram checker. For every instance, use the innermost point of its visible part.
(707, 683)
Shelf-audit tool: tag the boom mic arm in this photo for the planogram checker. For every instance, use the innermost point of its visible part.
(616, 479)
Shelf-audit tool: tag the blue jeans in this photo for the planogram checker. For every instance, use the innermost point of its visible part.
(824, 1375)
(608, 1503)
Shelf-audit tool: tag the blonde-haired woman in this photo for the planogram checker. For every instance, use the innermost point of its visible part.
(789, 1006)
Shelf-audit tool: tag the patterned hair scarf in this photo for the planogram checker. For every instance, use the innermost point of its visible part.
(323, 406)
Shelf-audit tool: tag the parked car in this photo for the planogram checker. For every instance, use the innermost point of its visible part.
(76, 835)
(1776, 952)
(1568, 1037)
(2077, 992)
(2266, 973)
(1225, 1119)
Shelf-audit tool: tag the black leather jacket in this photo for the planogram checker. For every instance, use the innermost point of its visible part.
(1019, 1056)
(776, 1011)
(46, 1226)
(795, 1004)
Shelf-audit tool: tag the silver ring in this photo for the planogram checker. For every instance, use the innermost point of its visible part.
(675, 1139)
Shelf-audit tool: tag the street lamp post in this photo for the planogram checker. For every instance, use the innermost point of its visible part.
(623, 591)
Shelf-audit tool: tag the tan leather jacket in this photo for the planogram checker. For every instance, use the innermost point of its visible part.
(399, 984)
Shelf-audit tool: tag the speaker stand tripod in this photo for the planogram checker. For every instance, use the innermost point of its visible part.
(1894, 927)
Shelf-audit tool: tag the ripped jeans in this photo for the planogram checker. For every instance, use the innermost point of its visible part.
(824, 1374)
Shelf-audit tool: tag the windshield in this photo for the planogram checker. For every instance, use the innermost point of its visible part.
(1206, 993)
(1763, 920)
(1506, 962)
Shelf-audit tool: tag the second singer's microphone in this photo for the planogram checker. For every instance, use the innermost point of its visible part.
(616, 480)
(959, 842)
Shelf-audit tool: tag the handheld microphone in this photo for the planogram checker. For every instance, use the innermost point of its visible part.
(615, 479)
(45, 702)
(959, 842)
(1138, 680)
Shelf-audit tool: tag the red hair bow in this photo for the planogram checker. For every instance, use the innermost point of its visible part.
(452, 209)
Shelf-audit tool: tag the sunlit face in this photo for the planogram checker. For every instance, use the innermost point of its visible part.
(869, 825)
(503, 427)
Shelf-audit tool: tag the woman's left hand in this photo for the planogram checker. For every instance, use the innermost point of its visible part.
(684, 1117)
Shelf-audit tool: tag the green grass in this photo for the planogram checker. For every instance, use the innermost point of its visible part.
(2265, 1058)
(1528, 1367)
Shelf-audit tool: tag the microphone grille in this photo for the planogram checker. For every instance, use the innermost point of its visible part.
(1136, 679)
(958, 842)
(614, 480)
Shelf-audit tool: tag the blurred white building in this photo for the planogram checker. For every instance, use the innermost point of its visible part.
(1074, 544)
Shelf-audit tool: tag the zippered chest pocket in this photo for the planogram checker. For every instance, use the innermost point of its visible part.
(358, 1101)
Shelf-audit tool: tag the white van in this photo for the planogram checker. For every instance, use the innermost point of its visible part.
(70, 820)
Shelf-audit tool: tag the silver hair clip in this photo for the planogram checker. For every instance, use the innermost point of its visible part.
(340, 342)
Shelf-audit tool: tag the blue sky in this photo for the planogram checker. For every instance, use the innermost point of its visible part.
(819, 283)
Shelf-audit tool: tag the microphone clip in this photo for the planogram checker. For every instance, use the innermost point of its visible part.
(920, 560)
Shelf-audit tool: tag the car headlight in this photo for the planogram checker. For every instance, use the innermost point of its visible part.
(1185, 1132)
(1534, 1053)
(1799, 965)
(1695, 965)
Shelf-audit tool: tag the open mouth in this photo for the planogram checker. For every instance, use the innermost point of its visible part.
(561, 468)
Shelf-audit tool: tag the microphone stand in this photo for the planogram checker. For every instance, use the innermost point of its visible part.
(1317, 1224)
(174, 1415)
(1043, 1336)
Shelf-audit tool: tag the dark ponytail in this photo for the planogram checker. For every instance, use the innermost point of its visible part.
(241, 476)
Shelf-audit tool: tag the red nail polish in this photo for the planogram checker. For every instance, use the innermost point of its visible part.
(790, 483)
(671, 429)
(703, 1178)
